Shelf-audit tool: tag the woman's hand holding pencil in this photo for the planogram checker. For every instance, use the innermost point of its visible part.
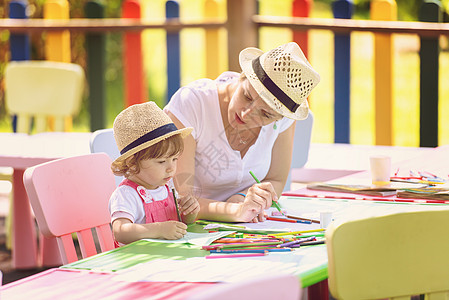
(259, 197)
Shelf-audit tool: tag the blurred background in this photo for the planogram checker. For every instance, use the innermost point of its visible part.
(320, 53)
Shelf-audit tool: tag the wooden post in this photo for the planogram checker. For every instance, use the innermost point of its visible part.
(173, 51)
(213, 47)
(135, 89)
(429, 53)
(242, 32)
(301, 8)
(96, 66)
(342, 9)
(57, 44)
(19, 48)
(385, 10)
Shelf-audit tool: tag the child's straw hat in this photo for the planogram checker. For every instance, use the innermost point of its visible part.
(282, 77)
(142, 125)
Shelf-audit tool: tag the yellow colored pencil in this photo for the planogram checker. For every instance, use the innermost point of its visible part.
(298, 232)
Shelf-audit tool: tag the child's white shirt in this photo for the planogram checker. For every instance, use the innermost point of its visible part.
(125, 202)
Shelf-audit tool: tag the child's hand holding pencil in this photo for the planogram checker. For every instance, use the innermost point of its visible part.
(187, 207)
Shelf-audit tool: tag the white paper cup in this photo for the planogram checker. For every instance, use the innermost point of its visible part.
(380, 169)
(325, 218)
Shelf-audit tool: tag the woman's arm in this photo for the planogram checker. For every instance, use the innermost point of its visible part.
(281, 159)
(210, 209)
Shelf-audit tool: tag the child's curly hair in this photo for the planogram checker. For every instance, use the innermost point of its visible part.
(168, 147)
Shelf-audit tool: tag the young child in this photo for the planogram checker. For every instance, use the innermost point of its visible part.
(143, 205)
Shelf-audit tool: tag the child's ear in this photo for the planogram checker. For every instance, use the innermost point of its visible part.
(130, 162)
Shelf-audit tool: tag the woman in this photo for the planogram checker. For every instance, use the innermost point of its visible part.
(242, 123)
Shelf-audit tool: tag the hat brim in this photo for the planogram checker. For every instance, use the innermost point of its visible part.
(183, 132)
(245, 59)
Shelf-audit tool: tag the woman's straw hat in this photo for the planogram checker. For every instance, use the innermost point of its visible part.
(282, 77)
(142, 125)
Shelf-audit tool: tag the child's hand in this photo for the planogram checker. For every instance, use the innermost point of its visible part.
(172, 230)
(188, 205)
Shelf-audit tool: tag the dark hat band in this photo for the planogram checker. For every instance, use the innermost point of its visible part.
(272, 87)
(158, 132)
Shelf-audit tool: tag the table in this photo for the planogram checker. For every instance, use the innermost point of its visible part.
(92, 277)
(330, 161)
(20, 151)
(126, 267)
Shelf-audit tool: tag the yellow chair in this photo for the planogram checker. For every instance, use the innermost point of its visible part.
(43, 89)
(395, 256)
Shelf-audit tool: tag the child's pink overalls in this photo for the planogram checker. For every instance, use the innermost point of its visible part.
(155, 211)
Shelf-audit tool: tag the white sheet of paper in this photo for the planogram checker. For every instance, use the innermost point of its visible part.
(200, 239)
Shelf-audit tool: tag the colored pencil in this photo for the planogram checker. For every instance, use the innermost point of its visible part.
(300, 241)
(296, 232)
(251, 250)
(275, 204)
(267, 248)
(303, 219)
(236, 255)
(203, 222)
(310, 243)
(239, 245)
(176, 204)
(281, 220)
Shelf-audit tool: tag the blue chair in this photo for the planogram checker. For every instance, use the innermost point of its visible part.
(301, 145)
(102, 140)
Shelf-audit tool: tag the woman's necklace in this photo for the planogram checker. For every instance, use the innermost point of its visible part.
(242, 141)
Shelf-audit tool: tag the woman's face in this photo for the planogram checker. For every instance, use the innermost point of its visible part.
(248, 110)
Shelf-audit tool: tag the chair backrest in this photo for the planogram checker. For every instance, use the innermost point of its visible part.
(268, 287)
(397, 255)
(301, 145)
(71, 195)
(43, 89)
(102, 140)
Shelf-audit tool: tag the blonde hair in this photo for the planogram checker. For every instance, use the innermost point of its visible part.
(168, 147)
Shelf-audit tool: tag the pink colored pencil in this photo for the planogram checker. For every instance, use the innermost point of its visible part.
(236, 255)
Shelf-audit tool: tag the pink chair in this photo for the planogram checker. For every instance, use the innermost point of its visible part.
(71, 195)
(281, 286)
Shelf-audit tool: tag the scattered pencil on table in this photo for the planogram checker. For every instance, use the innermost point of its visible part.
(298, 242)
(239, 245)
(303, 219)
(237, 255)
(251, 250)
(288, 220)
(298, 232)
(275, 204)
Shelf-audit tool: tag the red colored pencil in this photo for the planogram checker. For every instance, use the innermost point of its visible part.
(282, 220)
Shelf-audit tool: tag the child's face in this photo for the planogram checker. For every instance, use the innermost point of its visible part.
(155, 172)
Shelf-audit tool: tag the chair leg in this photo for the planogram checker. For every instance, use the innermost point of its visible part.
(49, 252)
(8, 223)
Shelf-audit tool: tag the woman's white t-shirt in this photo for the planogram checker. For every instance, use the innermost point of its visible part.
(220, 171)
